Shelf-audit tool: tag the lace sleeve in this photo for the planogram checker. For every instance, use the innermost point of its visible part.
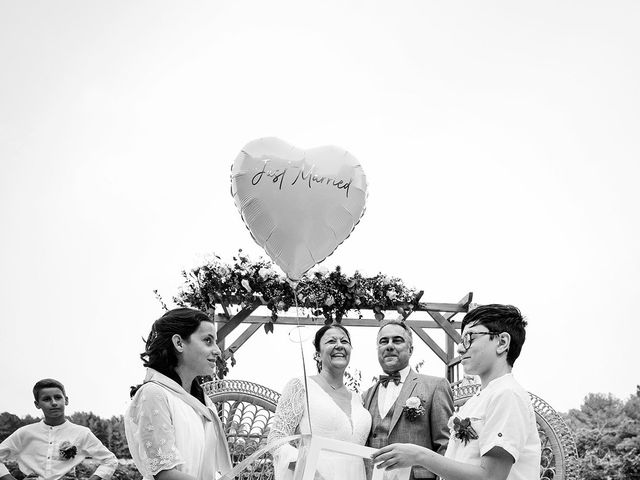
(286, 422)
(150, 431)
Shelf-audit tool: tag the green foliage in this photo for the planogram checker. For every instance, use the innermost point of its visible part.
(607, 433)
(327, 294)
(353, 379)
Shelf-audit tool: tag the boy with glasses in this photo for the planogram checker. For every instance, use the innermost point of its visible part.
(494, 435)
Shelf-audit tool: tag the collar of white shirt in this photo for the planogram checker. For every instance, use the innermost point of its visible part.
(62, 426)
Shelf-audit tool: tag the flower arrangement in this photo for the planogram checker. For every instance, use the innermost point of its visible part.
(321, 293)
(463, 430)
(413, 408)
(67, 451)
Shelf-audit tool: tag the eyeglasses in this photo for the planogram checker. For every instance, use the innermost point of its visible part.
(467, 338)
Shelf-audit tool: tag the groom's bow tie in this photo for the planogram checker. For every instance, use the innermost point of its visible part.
(394, 377)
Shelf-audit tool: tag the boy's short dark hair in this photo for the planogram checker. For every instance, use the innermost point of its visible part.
(46, 383)
(500, 318)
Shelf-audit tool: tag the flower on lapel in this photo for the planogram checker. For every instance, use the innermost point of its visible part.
(463, 430)
(67, 451)
(413, 408)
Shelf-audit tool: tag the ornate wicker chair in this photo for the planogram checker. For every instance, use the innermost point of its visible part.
(246, 409)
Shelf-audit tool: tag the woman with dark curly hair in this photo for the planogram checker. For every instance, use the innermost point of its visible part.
(172, 427)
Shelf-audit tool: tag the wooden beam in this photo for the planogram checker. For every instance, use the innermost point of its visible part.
(319, 321)
(450, 355)
(430, 343)
(244, 336)
(224, 303)
(465, 302)
(442, 307)
(236, 320)
(446, 326)
(454, 361)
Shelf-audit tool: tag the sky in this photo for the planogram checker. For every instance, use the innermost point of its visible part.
(499, 140)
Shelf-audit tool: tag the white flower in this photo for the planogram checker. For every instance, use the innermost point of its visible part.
(329, 301)
(322, 270)
(264, 272)
(245, 284)
(413, 402)
(392, 294)
(280, 305)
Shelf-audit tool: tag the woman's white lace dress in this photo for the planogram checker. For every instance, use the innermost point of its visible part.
(327, 420)
(164, 432)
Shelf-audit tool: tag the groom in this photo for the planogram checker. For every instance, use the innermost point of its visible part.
(425, 426)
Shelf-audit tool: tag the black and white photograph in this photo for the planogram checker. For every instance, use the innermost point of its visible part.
(319, 240)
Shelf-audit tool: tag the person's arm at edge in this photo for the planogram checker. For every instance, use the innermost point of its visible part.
(8, 448)
(494, 465)
(108, 463)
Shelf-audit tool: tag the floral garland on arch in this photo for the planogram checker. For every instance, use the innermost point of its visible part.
(321, 293)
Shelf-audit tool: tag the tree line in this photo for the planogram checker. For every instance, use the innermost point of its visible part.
(606, 430)
(607, 434)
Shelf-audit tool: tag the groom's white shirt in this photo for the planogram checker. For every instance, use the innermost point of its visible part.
(388, 395)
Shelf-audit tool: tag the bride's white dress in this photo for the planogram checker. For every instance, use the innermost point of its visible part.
(327, 420)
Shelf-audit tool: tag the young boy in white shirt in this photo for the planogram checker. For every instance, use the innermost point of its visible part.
(51, 448)
(494, 435)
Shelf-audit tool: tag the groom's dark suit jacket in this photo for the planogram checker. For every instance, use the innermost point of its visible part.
(429, 430)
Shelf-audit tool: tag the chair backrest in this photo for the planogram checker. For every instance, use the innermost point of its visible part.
(246, 410)
(559, 454)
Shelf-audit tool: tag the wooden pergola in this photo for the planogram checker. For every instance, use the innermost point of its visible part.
(442, 317)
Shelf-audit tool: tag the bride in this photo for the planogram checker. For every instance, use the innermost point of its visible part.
(336, 412)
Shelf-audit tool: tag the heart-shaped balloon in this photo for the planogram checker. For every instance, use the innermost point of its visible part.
(299, 205)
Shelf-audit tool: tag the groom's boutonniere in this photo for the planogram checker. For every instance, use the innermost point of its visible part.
(67, 451)
(464, 431)
(413, 408)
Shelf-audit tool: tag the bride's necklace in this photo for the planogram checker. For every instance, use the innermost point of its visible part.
(332, 387)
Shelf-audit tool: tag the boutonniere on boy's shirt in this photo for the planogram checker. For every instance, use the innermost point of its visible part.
(67, 451)
(463, 430)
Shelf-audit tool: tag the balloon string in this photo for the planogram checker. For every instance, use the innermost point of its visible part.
(304, 365)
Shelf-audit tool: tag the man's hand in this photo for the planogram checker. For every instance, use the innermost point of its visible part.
(398, 455)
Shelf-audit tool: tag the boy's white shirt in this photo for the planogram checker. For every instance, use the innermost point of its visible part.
(502, 415)
(36, 448)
